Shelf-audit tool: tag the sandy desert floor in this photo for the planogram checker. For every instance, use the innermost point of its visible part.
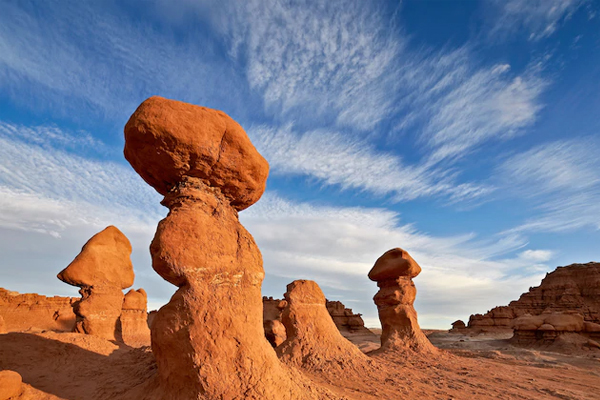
(71, 366)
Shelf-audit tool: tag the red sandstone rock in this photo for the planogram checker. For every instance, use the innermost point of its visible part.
(458, 326)
(2, 325)
(208, 341)
(574, 288)
(393, 272)
(275, 332)
(313, 341)
(134, 319)
(167, 140)
(34, 312)
(10, 385)
(102, 270)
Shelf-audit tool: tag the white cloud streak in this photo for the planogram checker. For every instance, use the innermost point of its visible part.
(562, 179)
(538, 18)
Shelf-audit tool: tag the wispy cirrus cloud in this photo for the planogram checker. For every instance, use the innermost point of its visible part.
(351, 163)
(538, 18)
(562, 179)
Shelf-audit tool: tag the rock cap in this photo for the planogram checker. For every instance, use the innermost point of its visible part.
(166, 140)
(393, 264)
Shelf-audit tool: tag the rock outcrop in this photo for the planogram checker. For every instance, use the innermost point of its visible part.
(10, 385)
(34, 312)
(550, 328)
(574, 288)
(274, 329)
(313, 341)
(102, 270)
(344, 318)
(458, 326)
(393, 272)
(208, 340)
(134, 319)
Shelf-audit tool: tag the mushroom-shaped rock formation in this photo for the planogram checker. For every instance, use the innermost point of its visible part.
(208, 341)
(393, 272)
(10, 385)
(102, 270)
(134, 319)
(313, 341)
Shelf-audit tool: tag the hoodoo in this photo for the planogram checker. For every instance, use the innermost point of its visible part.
(313, 341)
(208, 341)
(102, 270)
(134, 319)
(393, 272)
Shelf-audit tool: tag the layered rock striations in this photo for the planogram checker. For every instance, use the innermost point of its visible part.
(574, 288)
(208, 341)
(34, 312)
(134, 319)
(394, 272)
(313, 340)
(102, 270)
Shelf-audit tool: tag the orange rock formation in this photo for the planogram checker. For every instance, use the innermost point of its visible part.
(313, 341)
(208, 341)
(34, 312)
(10, 385)
(102, 270)
(134, 319)
(393, 272)
(574, 288)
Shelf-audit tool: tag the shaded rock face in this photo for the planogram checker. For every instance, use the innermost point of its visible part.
(313, 341)
(34, 312)
(10, 385)
(574, 288)
(134, 319)
(393, 272)
(274, 329)
(457, 326)
(208, 341)
(102, 270)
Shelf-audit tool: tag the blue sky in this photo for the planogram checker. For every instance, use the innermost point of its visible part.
(466, 132)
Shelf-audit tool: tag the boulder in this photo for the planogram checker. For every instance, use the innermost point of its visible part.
(102, 269)
(10, 385)
(393, 272)
(167, 140)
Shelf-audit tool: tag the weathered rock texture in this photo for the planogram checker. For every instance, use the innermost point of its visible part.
(102, 270)
(344, 318)
(549, 328)
(34, 312)
(393, 272)
(574, 288)
(274, 329)
(10, 385)
(458, 326)
(134, 319)
(208, 340)
(313, 341)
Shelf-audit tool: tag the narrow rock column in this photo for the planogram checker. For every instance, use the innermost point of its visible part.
(134, 319)
(393, 272)
(208, 340)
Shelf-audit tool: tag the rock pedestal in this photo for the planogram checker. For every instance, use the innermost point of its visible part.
(102, 270)
(208, 340)
(134, 319)
(393, 272)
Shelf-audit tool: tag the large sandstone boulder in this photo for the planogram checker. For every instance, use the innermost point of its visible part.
(134, 319)
(33, 312)
(10, 385)
(208, 341)
(102, 270)
(393, 272)
(167, 140)
(313, 341)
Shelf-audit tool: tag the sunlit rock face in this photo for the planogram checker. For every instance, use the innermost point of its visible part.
(393, 272)
(102, 270)
(208, 340)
